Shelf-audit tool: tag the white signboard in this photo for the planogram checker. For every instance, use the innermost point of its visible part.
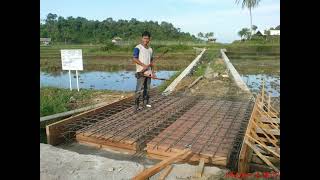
(71, 59)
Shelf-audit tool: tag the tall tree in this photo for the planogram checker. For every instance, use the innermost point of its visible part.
(200, 35)
(250, 4)
(241, 33)
(208, 35)
(254, 28)
(244, 33)
(81, 30)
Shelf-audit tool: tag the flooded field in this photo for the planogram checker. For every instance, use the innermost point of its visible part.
(99, 80)
(272, 83)
(255, 64)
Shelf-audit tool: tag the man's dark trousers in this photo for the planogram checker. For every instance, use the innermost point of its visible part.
(142, 89)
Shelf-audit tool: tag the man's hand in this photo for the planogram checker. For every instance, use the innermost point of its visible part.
(154, 75)
(145, 67)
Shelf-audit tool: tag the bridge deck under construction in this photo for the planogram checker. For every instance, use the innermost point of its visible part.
(212, 128)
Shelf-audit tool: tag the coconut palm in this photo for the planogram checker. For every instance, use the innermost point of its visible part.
(250, 4)
(254, 28)
(241, 33)
(244, 33)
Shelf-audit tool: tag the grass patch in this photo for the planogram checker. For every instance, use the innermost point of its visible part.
(208, 56)
(55, 100)
(218, 66)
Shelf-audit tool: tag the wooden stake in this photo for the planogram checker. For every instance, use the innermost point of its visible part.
(269, 102)
(200, 168)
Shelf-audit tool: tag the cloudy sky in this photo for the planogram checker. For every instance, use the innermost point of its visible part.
(223, 17)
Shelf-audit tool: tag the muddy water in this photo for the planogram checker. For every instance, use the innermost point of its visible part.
(272, 83)
(100, 80)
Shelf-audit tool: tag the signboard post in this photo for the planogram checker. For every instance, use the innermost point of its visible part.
(70, 80)
(72, 60)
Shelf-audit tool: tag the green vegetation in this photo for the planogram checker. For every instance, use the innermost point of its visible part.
(118, 57)
(255, 58)
(218, 66)
(205, 35)
(257, 37)
(81, 30)
(244, 33)
(55, 100)
(208, 56)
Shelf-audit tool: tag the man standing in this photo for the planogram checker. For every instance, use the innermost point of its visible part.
(142, 57)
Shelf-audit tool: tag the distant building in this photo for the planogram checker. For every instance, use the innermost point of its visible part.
(45, 41)
(275, 32)
(259, 34)
(212, 40)
(272, 32)
(116, 40)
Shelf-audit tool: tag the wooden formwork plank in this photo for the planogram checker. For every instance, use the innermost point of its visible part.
(54, 130)
(261, 156)
(106, 147)
(158, 167)
(263, 121)
(256, 159)
(165, 172)
(200, 168)
(264, 146)
(271, 131)
(111, 144)
(194, 158)
(245, 150)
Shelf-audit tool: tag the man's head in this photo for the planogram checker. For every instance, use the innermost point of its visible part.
(146, 36)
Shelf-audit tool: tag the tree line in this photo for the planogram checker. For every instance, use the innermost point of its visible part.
(81, 30)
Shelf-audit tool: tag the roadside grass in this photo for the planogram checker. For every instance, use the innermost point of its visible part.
(56, 100)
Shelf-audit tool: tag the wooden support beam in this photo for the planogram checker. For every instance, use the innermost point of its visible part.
(261, 156)
(262, 145)
(245, 150)
(165, 172)
(194, 82)
(267, 135)
(271, 131)
(256, 159)
(158, 167)
(200, 168)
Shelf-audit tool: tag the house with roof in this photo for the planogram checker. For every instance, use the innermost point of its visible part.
(116, 40)
(45, 41)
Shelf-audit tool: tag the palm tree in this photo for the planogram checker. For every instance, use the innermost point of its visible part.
(241, 33)
(250, 4)
(200, 35)
(244, 32)
(254, 28)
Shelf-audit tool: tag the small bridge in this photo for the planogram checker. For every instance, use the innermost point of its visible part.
(233, 134)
